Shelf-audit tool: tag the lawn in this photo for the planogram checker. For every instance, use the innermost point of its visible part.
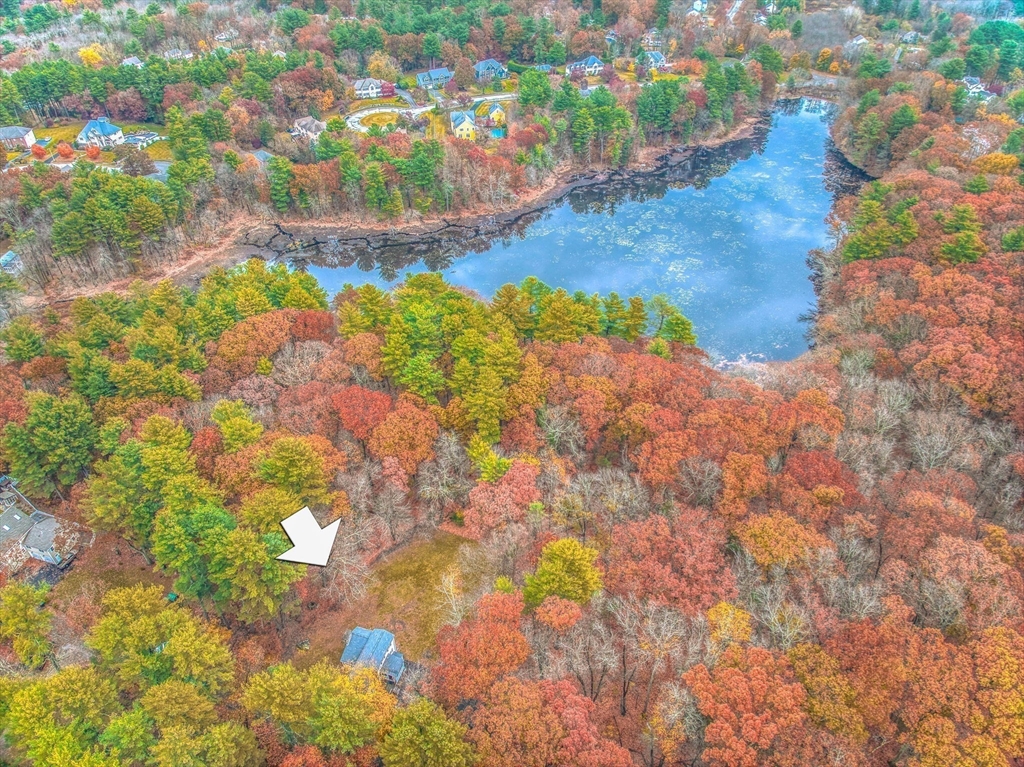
(355, 106)
(160, 150)
(379, 118)
(70, 131)
(437, 125)
(402, 597)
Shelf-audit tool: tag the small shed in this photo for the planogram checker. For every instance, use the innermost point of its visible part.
(374, 649)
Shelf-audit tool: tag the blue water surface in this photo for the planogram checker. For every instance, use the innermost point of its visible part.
(730, 250)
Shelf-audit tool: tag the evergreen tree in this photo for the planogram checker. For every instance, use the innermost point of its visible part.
(281, 174)
(53, 445)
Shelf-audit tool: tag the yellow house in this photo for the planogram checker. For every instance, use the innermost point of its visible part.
(493, 114)
(464, 126)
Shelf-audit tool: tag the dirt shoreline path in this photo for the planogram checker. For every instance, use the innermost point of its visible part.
(247, 235)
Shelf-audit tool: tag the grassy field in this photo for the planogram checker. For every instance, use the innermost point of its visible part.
(70, 131)
(402, 597)
(379, 118)
(358, 104)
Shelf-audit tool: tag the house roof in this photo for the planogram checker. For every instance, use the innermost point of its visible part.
(101, 125)
(15, 521)
(654, 57)
(367, 648)
(367, 82)
(588, 62)
(394, 665)
(458, 118)
(488, 65)
(8, 258)
(262, 156)
(42, 533)
(131, 61)
(543, 67)
(14, 131)
(311, 125)
(434, 74)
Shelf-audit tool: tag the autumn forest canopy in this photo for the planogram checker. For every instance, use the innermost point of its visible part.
(594, 547)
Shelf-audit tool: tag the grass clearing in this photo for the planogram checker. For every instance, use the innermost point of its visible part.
(358, 104)
(160, 150)
(379, 118)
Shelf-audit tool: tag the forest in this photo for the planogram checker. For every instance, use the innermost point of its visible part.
(595, 548)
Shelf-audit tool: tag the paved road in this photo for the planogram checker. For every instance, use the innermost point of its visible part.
(354, 120)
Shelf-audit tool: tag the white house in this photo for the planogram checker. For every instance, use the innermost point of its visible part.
(310, 127)
(654, 60)
(99, 132)
(178, 54)
(132, 61)
(17, 137)
(367, 88)
(591, 66)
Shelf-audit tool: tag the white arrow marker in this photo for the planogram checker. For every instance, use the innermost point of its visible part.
(311, 544)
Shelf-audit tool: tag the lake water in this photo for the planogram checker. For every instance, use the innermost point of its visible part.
(726, 238)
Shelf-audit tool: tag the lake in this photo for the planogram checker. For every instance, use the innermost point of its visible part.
(725, 236)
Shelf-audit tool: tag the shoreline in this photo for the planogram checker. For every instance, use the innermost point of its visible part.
(247, 236)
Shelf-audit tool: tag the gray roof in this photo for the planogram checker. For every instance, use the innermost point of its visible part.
(488, 66)
(311, 125)
(15, 522)
(14, 131)
(367, 648)
(41, 536)
(367, 82)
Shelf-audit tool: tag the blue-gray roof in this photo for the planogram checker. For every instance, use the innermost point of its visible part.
(589, 61)
(394, 666)
(655, 57)
(434, 75)
(8, 258)
(101, 125)
(488, 66)
(367, 648)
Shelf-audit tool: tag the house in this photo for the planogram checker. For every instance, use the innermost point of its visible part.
(262, 156)
(226, 35)
(11, 263)
(590, 66)
(490, 114)
(489, 69)
(434, 78)
(279, 54)
(132, 61)
(651, 40)
(654, 60)
(699, 6)
(142, 139)
(17, 137)
(374, 649)
(464, 125)
(99, 132)
(910, 38)
(40, 535)
(309, 127)
(178, 54)
(545, 68)
(858, 41)
(369, 88)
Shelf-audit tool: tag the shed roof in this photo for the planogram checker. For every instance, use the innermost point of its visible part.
(367, 647)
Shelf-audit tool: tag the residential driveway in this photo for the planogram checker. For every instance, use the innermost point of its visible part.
(353, 121)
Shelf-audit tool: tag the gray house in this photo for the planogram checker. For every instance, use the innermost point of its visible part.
(490, 69)
(374, 649)
(42, 536)
(434, 78)
(17, 137)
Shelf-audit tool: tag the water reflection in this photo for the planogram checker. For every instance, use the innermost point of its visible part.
(725, 234)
